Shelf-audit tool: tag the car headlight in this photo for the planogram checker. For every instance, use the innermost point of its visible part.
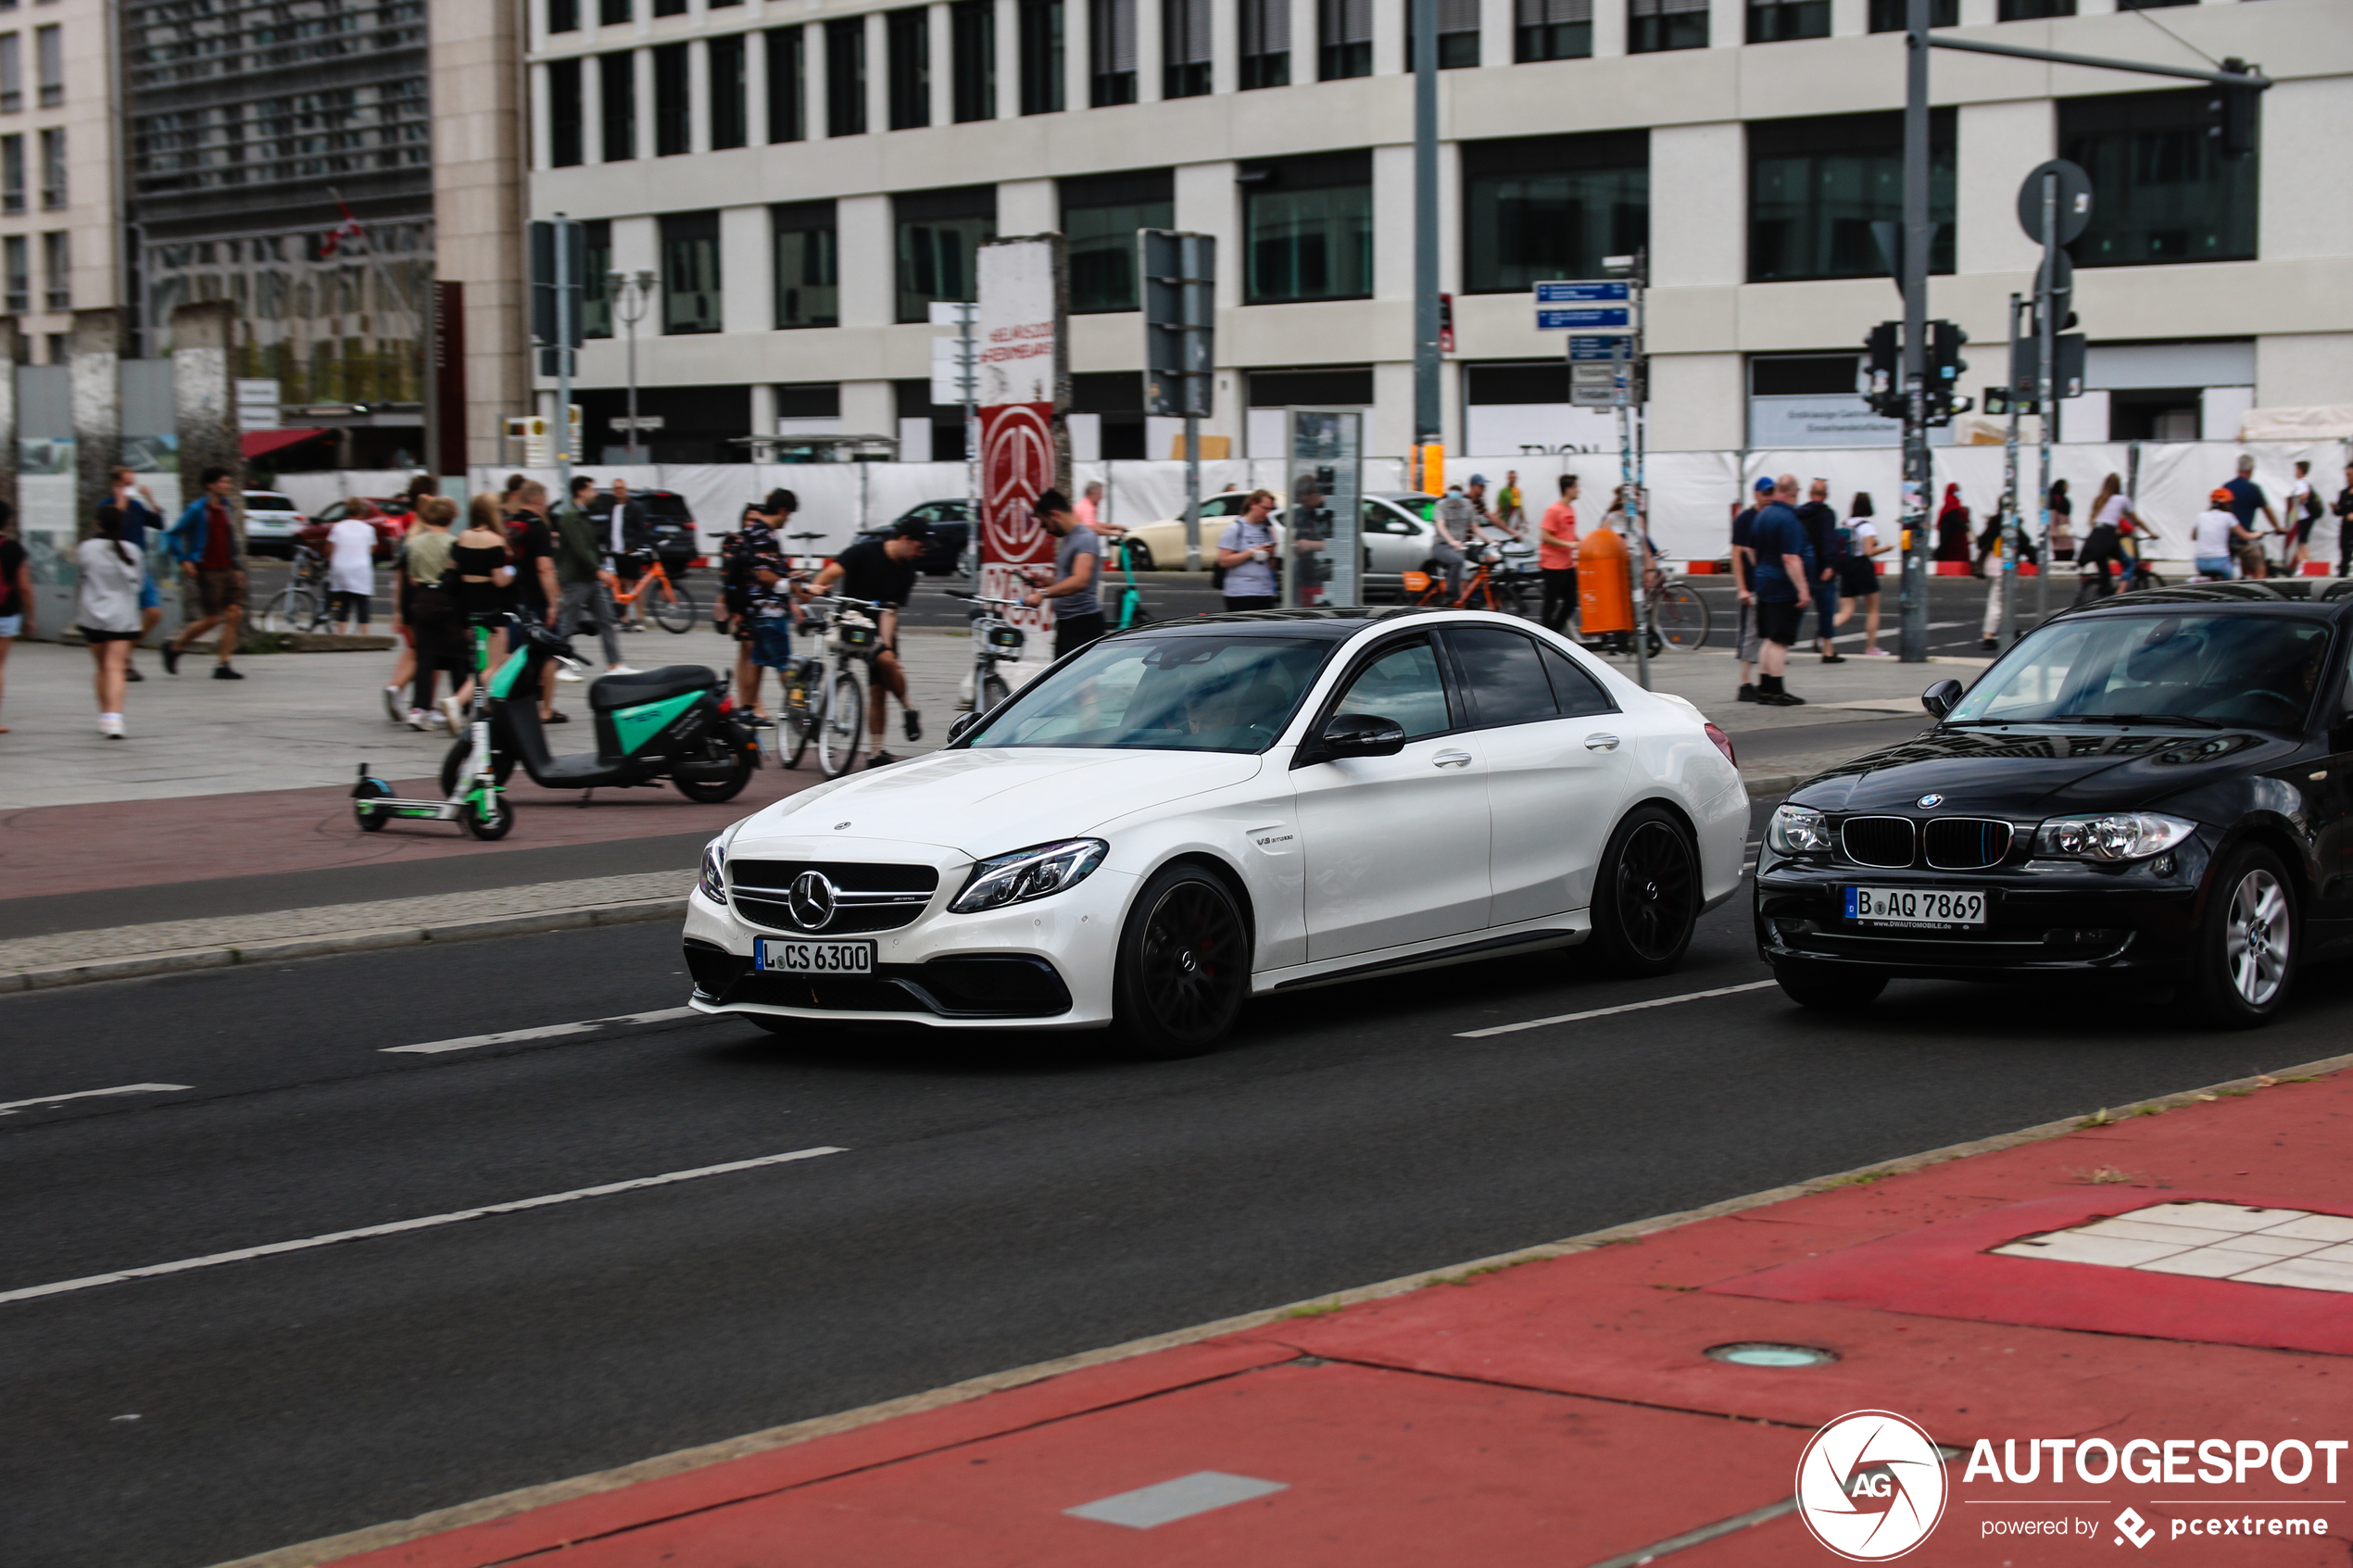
(2111, 836)
(712, 883)
(1798, 830)
(1029, 874)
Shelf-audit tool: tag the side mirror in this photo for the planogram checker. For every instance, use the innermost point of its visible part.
(1359, 734)
(963, 726)
(1941, 697)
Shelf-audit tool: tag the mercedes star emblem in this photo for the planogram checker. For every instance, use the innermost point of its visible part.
(1928, 802)
(811, 898)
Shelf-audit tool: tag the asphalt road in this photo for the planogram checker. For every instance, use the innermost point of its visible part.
(994, 1202)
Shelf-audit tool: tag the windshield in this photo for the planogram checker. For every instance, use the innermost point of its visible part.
(263, 501)
(2213, 669)
(1168, 694)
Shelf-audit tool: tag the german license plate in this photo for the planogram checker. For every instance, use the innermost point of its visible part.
(1929, 908)
(814, 957)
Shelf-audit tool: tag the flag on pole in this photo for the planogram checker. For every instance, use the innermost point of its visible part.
(342, 233)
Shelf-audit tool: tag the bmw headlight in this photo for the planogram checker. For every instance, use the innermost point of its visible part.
(1798, 830)
(1029, 874)
(714, 881)
(2111, 836)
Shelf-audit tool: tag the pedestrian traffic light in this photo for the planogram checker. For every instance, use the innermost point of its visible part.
(1883, 370)
(1944, 368)
(2233, 113)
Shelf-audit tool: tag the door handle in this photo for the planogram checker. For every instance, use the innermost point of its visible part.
(1451, 759)
(1601, 743)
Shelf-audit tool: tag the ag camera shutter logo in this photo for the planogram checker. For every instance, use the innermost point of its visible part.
(1870, 1486)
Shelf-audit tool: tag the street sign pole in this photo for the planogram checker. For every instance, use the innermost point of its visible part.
(2009, 444)
(1427, 429)
(567, 300)
(2047, 380)
(1918, 232)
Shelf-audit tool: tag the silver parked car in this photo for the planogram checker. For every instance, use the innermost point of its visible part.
(272, 522)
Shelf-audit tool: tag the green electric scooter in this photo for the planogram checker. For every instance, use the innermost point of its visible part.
(471, 782)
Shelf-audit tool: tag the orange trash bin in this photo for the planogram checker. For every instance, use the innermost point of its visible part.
(1604, 588)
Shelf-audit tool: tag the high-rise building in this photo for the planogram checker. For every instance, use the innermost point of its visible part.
(60, 232)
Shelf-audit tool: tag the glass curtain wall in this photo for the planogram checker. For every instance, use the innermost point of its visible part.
(1308, 229)
(2166, 192)
(1552, 207)
(1101, 214)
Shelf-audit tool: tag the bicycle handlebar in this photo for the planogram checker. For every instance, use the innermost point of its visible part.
(969, 595)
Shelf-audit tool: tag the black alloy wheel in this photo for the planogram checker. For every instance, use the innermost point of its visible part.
(1184, 966)
(1647, 898)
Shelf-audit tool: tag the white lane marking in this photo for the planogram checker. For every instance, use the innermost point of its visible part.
(10, 1106)
(396, 1226)
(1624, 1006)
(544, 1031)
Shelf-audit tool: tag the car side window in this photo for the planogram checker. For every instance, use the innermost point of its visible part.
(1577, 692)
(1506, 679)
(1402, 685)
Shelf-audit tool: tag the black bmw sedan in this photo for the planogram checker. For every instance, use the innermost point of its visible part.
(2156, 788)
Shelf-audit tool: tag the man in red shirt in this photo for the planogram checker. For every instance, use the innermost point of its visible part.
(1556, 555)
(206, 543)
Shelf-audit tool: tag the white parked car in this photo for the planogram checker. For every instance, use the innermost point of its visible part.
(272, 522)
(1183, 816)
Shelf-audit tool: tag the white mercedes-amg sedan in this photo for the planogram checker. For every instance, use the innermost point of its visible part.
(1183, 816)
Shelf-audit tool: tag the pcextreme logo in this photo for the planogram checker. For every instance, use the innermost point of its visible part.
(1870, 1486)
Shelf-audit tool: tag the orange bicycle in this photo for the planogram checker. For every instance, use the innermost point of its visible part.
(1497, 582)
(672, 607)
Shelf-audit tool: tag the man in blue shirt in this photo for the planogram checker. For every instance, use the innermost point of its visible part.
(1745, 641)
(2247, 499)
(1781, 579)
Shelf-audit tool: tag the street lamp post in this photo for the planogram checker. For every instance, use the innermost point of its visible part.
(631, 295)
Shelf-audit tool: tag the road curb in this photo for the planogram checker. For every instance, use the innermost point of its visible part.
(482, 1510)
(180, 960)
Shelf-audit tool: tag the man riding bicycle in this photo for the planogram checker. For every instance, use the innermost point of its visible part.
(881, 571)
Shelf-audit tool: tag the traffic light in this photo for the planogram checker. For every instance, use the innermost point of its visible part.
(1446, 323)
(2233, 113)
(1179, 271)
(1883, 370)
(1944, 368)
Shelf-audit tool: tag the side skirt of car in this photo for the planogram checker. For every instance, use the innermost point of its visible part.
(1552, 931)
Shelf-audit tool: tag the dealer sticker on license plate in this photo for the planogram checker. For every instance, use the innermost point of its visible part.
(1931, 907)
(815, 958)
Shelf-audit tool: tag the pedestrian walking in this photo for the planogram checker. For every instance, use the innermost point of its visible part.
(482, 565)
(1747, 644)
(425, 599)
(628, 543)
(1831, 554)
(141, 522)
(2216, 537)
(351, 572)
(205, 542)
(2343, 508)
(2303, 511)
(763, 620)
(1510, 508)
(1782, 577)
(1246, 555)
(1951, 527)
(1078, 559)
(580, 574)
(1557, 556)
(1860, 587)
(105, 606)
(2061, 533)
(17, 618)
(2248, 500)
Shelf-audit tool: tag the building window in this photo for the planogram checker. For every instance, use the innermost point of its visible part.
(60, 347)
(1653, 26)
(53, 169)
(670, 7)
(16, 262)
(563, 16)
(1552, 207)
(2034, 10)
(690, 272)
(57, 266)
(846, 77)
(787, 104)
(972, 40)
(11, 72)
(1817, 185)
(728, 127)
(596, 278)
(1041, 55)
(1184, 48)
(1343, 39)
(615, 13)
(49, 45)
(674, 122)
(938, 231)
(1265, 41)
(1780, 22)
(1308, 229)
(808, 265)
(1895, 16)
(907, 35)
(11, 174)
(1111, 47)
(2166, 192)
(566, 136)
(1551, 30)
(1101, 214)
(617, 91)
(1457, 33)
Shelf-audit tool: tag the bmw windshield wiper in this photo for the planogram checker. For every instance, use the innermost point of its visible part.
(2128, 718)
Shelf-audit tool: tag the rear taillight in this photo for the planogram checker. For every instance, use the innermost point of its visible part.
(1723, 744)
(727, 705)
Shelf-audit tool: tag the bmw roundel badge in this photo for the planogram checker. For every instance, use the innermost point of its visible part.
(1928, 802)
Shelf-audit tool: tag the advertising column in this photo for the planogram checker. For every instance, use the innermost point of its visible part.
(1024, 391)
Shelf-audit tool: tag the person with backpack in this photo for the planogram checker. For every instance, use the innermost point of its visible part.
(1833, 547)
(755, 584)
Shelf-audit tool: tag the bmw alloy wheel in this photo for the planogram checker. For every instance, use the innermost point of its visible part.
(2256, 936)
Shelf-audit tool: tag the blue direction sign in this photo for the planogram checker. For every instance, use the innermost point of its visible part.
(1600, 291)
(1584, 349)
(1584, 318)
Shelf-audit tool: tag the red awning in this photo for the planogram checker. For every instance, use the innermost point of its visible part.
(261, 443)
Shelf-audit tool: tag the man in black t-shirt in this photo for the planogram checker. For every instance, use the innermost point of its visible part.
(881, 570)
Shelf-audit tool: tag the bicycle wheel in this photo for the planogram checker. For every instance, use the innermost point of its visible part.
(291, 609)
(1509, 598)
(672, 608)
(795, 726)
(993, 692)
(1681, 617)
(842, 727)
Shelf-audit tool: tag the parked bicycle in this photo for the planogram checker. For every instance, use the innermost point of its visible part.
(828, 706)
(303, 603)
(995, 641)
(670, 605)
(1675, 613)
